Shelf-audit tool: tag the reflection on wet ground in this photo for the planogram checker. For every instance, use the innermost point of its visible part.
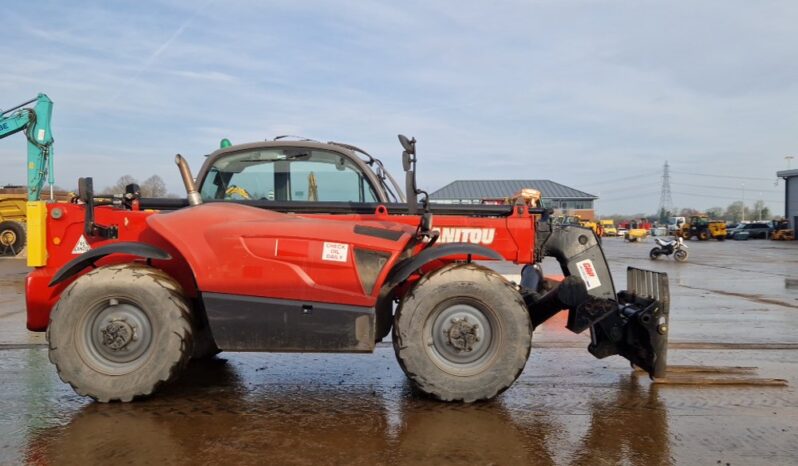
(330, 409)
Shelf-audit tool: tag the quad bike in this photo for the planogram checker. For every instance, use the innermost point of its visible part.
(668, 247)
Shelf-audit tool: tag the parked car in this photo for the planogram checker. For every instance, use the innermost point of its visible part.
(754, 230)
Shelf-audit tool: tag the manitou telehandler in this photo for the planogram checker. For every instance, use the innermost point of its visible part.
(305, 246)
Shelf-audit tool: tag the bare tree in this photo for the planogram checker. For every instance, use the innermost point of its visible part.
(735, 210)
(119, 186)
(688, 212)
(715, 212)
(761, 211)
(153, 186)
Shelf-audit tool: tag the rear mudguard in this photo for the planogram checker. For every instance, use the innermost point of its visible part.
(89, 258)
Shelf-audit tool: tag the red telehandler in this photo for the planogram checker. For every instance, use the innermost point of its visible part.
(298, 245)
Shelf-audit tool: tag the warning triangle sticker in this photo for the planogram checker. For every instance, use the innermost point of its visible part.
(81, 246)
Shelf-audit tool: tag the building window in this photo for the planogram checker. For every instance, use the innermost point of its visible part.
(573, 204)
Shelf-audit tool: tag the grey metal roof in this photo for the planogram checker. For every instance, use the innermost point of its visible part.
(787, 173)
(497, 189)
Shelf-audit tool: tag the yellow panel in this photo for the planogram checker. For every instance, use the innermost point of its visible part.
(37, 234)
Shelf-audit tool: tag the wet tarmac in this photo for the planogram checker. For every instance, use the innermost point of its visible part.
(732, 306)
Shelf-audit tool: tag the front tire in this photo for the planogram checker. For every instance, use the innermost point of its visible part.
(119, 332)
(462, 333)
(703, 236)
(680, 255)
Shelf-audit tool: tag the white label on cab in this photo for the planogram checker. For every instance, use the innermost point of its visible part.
(588, 274)
(335, 252)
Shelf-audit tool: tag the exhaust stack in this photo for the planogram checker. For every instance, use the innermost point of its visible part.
(188, 180)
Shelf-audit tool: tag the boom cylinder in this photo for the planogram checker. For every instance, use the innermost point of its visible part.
(188, 180)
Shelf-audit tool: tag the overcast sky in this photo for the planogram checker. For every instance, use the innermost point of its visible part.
(593, 95)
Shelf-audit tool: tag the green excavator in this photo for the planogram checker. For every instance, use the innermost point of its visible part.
(33, 117)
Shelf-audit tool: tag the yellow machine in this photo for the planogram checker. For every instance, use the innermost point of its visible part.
(592, 225)
(701, 227)
(635, 234)
(608, 228)
(782, 231)
(17, 215)
(12, 222)
(577, 220)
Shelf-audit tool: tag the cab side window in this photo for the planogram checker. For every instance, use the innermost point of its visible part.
(322, 181)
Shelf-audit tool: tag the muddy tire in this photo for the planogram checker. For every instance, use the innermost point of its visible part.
(680, 255)
(655, 253)
(12, 238)
(703, 236)
(462, 334)
(119, 332)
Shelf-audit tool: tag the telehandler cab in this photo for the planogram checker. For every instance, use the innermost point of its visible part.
(306, 246)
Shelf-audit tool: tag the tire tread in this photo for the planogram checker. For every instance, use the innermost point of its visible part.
(180, 316)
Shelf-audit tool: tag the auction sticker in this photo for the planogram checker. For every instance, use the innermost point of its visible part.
(588, 274)
(335, 252)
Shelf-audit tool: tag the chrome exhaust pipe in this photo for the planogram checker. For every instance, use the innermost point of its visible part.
(188, 180)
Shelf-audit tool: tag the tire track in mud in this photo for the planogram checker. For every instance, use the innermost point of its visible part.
(621, 259)
(771, 443)
(698, 401)
(695, 345)
(747, 296)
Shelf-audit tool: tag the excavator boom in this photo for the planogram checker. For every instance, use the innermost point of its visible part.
(35, 122)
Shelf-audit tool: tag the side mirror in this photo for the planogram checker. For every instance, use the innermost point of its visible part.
(409, 145)
(409, 155)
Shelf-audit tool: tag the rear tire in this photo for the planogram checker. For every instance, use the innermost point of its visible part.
(119, 332)
(655, 253)
(462, 333)
(12, 238)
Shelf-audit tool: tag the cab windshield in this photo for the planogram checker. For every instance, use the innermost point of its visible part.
(290, 174)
